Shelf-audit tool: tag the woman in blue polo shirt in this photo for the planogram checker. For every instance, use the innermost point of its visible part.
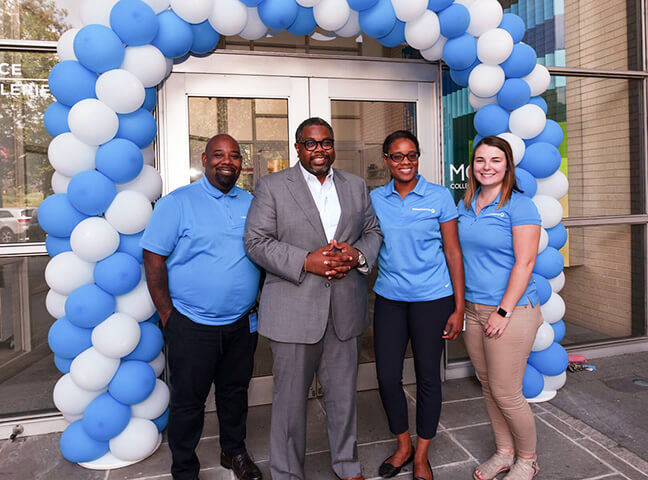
(499, 229)
(419, 296)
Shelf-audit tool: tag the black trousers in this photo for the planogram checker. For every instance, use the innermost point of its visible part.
(198, 356)
(395, 324)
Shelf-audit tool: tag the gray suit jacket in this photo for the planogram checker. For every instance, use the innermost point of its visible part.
(283, 226)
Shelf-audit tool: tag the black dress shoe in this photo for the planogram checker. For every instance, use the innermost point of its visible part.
(387, 470)
(242, 466)
(421, 478)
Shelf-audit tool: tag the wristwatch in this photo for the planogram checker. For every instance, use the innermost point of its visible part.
(503, 313)
(362, 261)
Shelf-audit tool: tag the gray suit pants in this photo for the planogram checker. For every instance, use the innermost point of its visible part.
(336, 364)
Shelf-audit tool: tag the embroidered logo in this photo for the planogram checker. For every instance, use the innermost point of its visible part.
(431, 210)
(501, 215)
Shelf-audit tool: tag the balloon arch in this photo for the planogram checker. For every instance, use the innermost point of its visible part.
(106, 340)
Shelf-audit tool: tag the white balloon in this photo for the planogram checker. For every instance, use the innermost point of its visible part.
(69, 155)
(407, 10)
(423, 32)
(557, 283)
(129, 212)
(93, 122)
(254, 28)
(137, 303)
(479, 102)
(544, 337)
(550, 209)
(96, 11)
(435, 52)
(60, 182)
(517, 145)
(484, 15)
(555, 185)
(308, 3)
(136, 442)
(155, 404)
(486, 80)
(93, 371)
(65, 45)
(116, 336)
(169, 67)
(149, 155)
(94, 239)
(228, 17)
(55, 304)
(555, 382)
(158, 364)
(195, 11)
(528, 121)
(71, 399)
(352, 27)
(66, 272)
(148, 182)
(539, 79)
(544, 240)
(554, 309)
(158, 5)
(332, 14)
(147, 63)
(465, 3)
(494, 46)
(72, 418)
(121, 90)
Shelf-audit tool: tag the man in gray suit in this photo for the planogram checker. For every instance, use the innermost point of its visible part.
(314, 231)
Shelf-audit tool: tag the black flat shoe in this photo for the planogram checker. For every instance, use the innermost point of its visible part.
(421, 478)
(387, 470)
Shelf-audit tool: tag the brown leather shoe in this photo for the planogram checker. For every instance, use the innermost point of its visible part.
(242, 466)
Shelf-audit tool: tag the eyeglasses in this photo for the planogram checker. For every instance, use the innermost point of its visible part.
(398, 157)
(311, 144)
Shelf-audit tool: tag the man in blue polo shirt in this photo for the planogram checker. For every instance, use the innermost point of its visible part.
(204, 288)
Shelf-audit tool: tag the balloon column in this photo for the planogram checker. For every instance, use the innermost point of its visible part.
(106, 341)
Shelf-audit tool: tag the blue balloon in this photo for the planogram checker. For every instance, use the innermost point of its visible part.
(139, 127)
(514, 93)
(526, 182)
(396, 37)
(460, 77)
(67, 340)
(56, 245)
(304, 23)
(120, 160)
(162, 421)
(133, 382)
(278, 14)
(205, 39)
(542, 287)
(559, 330)
(174, 37)
(77, 446)
(361, 4)
(552, 133)
(491, 120)
(150, 344)
(514, 25)
(549, 263)
(62, 364)
(454, 20)
(91, 192)
(150, 99)
(541, 159)
(557, 236)
(550, 361)
(98, 48)
(56, 119)
(379, 20)
(105, 417)
(540, 102)
(438, 5)
(134, 22)
(70, 82)
(130, 244)
(89, 305)
(117, 274)
(154, 319)
(57, 216)
(532, 382)
(460, 52)
(476, 140)
(251, 3)
(521, 61)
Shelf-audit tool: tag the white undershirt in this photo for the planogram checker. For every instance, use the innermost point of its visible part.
(326, 199)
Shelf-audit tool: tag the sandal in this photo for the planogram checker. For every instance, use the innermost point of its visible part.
(524, 469)
(491, 468)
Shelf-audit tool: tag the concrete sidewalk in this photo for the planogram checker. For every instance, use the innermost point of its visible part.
(596, 428)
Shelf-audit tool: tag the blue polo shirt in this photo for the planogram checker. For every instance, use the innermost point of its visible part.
(200, 230)
(487, 246)
(411, 262)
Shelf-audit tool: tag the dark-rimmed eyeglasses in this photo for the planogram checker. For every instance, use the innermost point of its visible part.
(311, 144)
(398, 157)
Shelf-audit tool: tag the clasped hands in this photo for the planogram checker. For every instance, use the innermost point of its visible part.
(332, 261)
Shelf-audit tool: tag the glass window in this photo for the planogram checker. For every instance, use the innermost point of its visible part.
(38, 19)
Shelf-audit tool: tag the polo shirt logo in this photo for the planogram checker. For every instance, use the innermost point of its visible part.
(501, 215)
(431, 210)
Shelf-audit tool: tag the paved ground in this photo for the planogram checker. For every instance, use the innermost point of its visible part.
(596, 428)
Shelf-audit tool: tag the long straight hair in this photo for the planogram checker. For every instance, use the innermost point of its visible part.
(508, 184)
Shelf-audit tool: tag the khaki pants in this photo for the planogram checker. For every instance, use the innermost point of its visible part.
(500, 364)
